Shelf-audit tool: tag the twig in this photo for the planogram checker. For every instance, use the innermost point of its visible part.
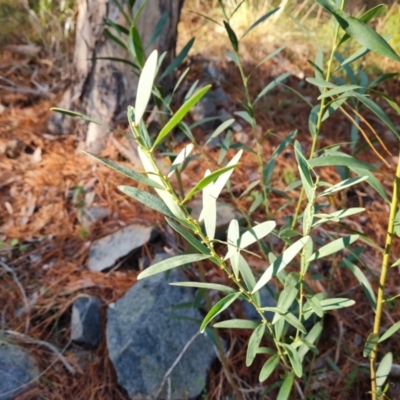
(22, 291)
(28, 339)
(175, 363)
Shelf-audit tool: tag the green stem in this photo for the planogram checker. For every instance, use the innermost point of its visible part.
(382, 281)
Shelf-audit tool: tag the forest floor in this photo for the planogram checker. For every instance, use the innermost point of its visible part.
(45, 183)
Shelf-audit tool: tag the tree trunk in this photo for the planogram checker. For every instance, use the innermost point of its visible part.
(102, 89)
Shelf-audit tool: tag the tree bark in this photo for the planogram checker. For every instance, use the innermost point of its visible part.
(102, 89)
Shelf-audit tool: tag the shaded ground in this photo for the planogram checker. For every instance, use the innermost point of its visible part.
(45, 184)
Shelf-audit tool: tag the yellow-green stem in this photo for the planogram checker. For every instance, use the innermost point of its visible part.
(382, 280)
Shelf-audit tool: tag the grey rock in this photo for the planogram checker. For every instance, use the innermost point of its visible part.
(225, 214)
(93, 214)
(107, 250)
(145, 337)
(86, 321)
(267, 300)
(17, 370)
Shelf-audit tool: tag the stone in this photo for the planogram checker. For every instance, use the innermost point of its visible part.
(86, 321)
(225, 214)
(107, 250)
(145, 336)
(17, 370)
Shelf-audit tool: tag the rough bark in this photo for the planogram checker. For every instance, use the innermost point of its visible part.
(101, 88)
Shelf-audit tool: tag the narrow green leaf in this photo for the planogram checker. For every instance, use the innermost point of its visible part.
(209, 211)
(271, 86)
(339, 90)
(311, 337)
(145, 86)
(373, 182)
(177, 61)
(345, 161)
(180, 158)
(218, 308)
(372, 341)
(178, 116)
(147, 199)
(232, 36)
(115, 39)
(207, 180)
(337, 215)
(391, 331)
(268, 368)
(269, 56)
(202, 285)
(237, 324)
(384, 369)
(256, 233)
(250, 188)
(329, 304)
(189, 237)
(281, 262)
(333, 247)
(315, 305)
(304, 170)
(360, 31)
(363, 51)
(136, 47)
(158, 29)
(254, 343)
(246, 116)
(320, 83)
(259, 21)
(83, 117)
(248, 277)
(126, 171)
(363, 281)
(171, 263)
(116, 59)
(220, 129)
(294, 359)
(286, 388)
(378, 112)
(343, 185)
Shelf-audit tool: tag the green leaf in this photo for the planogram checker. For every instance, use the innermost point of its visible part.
(178, 116)
(329, 304)
(232, 240)
(370, 344)
(171, 263)
(177, 61)
(343, 185)
(378, 112)
(339, 90)
(363, 51)
(384, 369)
(220, 129)
(248, 277)
(158, 29)
(373, 182)
(115, 39)
(363, 281)
(294, 359)
(333, 247)
(268, 368)
(269, 56)
(136, 47)
(337, 215)
(180, 158)
(218, 308)
(202, 285)
(250, 187)
(320, 83)
(126, 171)
(345, 161)
(145, 86)
(286, 388)
(360, 31)
(213, 176)
(246, 116)
(311, 337)
(304, 170)
(366, 17)
(315, 305)
(209, 211)
(271, 85)
(188, 237)
(75, 114)
(391, 331)
(232, 36)
(254, 343)
(259, 21)
(147, 199)
(237, 324)
(256, 233)
(281, 262)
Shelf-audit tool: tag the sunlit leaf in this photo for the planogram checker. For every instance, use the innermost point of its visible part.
(370, 344)
(259, 21)
(254, 343)
(343, 185)
(333, 247)
(384, 369)
(171, 263)
(390, 331)
(237, 324)
(202, 285)
(268, 368)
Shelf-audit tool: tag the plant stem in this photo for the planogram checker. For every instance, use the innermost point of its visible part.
(384, 271)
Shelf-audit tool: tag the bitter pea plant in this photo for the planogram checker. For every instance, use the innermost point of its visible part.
(296, 302)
